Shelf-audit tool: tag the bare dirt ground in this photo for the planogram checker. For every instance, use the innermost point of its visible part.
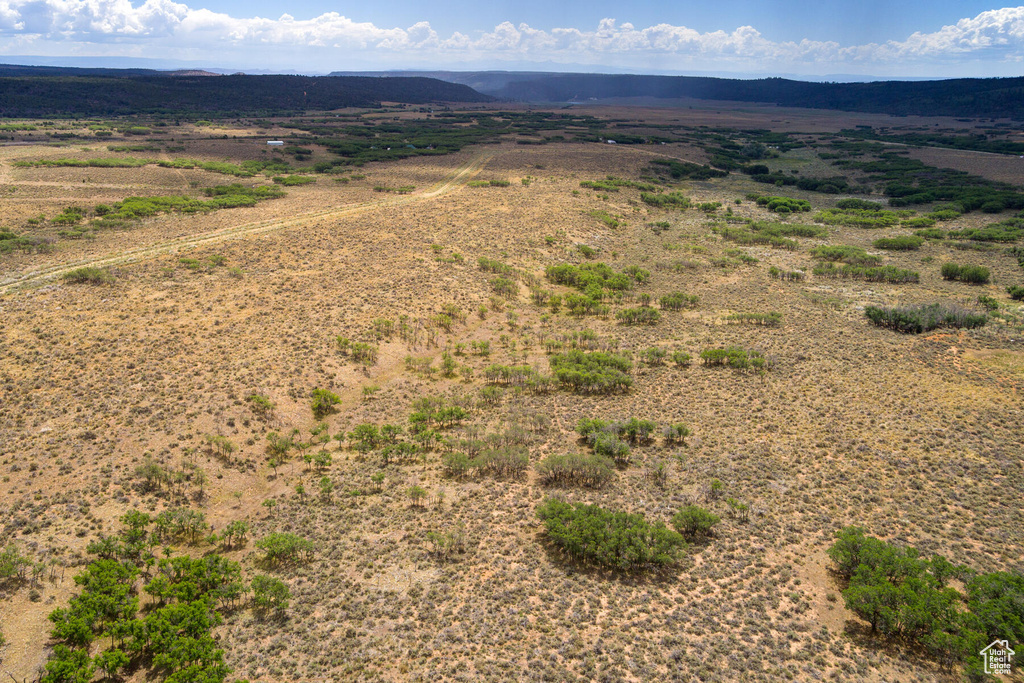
(916, 438)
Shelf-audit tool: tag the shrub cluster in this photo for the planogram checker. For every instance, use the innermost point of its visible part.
(924, 317)
(508, 461)
(174, 637)
(694, 522)
(861, 218)
(294, 180)
(88, 275)
(677, 301)
(975, 275)
(283, 547)
(890, 274)
(783, 204)
(643, 315)
(573, 469)
(1016, 292)
(522, 376)
(591, 275)
(736, 357)
(592, 373)
(746, 236)
(10, 241)
(618, 540)
(772, 319)
(902, 595)
(777, 273)
(666, 200)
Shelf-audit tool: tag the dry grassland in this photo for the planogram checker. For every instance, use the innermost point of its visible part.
(916, 438)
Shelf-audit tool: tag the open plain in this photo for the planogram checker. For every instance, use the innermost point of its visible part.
(386, 285)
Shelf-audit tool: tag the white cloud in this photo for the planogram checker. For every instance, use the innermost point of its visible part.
(170, 28)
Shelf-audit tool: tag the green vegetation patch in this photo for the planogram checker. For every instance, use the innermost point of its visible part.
(735, 357)
(890, 274)
(971, 274)
(924, 317)
(861, 218)
(294, 180)
(782, 204)
(666, 200)
(88, 275)
(220, 197)
(612, 184)
(592, 373)
(903, 595)
(11, 241)
(619, 540)
(901, 243)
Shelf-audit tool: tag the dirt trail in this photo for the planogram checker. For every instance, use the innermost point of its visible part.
(453, 180)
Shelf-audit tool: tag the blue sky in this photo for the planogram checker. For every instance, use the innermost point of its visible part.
(798, 37)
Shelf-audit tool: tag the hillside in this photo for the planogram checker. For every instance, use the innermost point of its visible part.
(966, 97)
(101, 94)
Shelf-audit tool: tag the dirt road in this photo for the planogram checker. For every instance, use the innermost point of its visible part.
(452, 181)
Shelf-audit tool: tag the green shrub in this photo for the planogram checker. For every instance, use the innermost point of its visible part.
(1016, 292)
(931, 233)
(694, 522)
(970, 274)
(681, 358)
(88, 275)
(510, 462)
(890, 274)
(505, 287)
(924, 317)
(735, 357)
(294, 180)
(608, 445)
(592, 373)
(792, 275)
(323, 403)
(643, 315)
(784, 204)
(667, 200)
(269, 594)
(745, 236)
(591, 471)
(861, 218)
(608, 219)
(902, 243)
(677, 301)
(861, 204)
(772, 319)
(906, 596)
(285, 547)
(676, 433)
(619, 540)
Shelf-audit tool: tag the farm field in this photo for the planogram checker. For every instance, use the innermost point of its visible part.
(380, 360)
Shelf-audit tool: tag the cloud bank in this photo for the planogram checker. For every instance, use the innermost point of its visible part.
(169, 29)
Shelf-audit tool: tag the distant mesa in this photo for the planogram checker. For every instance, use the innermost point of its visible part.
(970, 97)
(59, 91)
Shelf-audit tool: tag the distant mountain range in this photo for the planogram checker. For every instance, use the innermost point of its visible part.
(964, 97)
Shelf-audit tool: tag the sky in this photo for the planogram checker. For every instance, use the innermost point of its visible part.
(803, 38)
